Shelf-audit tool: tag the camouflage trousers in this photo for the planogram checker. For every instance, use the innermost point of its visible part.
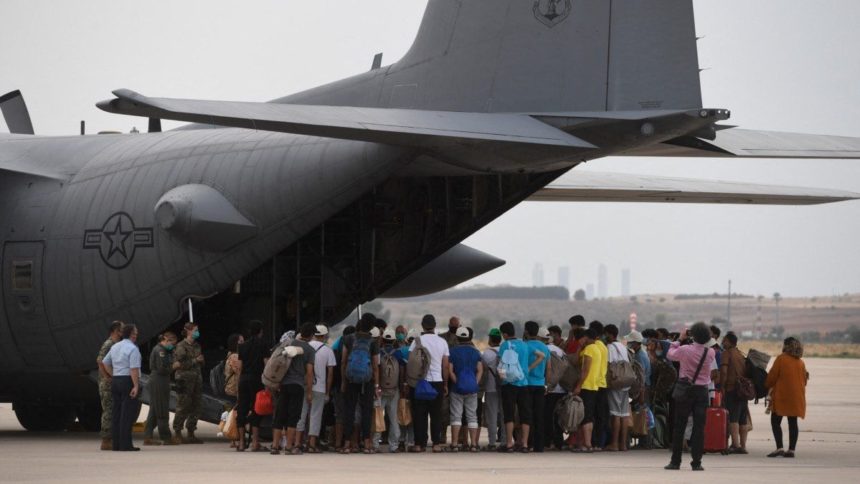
(107, 408)
(189, 401)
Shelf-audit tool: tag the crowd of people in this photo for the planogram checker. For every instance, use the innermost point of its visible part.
(379, 388)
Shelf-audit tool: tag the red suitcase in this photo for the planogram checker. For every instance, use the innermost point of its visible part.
(716, 425)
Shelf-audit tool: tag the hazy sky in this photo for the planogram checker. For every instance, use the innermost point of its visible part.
(786, 65)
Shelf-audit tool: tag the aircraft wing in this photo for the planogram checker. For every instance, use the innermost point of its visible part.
(391, 126)
(747, 143)
(588, 186)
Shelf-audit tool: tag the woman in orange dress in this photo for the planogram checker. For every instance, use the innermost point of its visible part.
(787, 382)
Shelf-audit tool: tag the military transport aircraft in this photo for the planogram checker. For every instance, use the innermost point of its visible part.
(301, 208)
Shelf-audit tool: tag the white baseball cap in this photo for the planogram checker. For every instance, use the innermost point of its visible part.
(374, 332)
(389, 334)
(462, 332)
(634, 337)
(543, 333)
(322, 330)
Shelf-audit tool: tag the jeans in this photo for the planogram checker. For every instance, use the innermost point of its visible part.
(694, 404)
(421, 410)
(358, 395)
(536, 400)
(493, 417)
(553, 435)
(467, 404)
(389, 406)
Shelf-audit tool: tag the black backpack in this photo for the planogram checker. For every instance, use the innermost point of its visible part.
(758, 377)
(217, 380)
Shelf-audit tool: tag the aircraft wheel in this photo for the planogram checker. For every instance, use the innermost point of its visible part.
(44, 417)
(90, 416)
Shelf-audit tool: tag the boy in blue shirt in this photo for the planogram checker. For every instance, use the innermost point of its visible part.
(538, 366)
(464, 375)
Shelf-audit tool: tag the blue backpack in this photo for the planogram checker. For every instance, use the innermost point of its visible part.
(510, 370)
(358, 367)
(424, 391)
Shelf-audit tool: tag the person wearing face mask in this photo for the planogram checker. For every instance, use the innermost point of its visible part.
(160, 363)
(122, 364)
(187, 362)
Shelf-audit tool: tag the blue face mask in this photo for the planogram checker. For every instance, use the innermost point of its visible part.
(401, 337)
(195, 334)
(169, 347)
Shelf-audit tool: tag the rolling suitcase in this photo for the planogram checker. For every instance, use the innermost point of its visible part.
(716, 428)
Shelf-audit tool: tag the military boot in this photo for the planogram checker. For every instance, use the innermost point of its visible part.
(151, 442)
(107, 443)
(192, 439)
(177, 438)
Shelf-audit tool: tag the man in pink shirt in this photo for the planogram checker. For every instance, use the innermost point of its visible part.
(695, 360)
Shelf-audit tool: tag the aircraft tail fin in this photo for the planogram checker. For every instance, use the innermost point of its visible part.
(549, 55)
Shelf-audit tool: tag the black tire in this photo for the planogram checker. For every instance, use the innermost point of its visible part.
(44, 417)
(90, 416)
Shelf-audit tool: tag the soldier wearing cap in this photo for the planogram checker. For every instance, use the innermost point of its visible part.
(187, 362)
(114, 336)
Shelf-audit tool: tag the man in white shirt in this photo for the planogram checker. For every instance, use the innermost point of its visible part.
(437, 376)
(619, 400)
(324, 364)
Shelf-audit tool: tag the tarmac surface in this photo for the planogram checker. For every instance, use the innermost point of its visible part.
(827, 452)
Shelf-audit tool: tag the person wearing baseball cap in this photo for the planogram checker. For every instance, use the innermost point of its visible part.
(464, 375)
(553, 436)
(492, 387)
(392, 376)
(324, 367)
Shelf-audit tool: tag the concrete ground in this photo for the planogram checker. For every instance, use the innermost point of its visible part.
(827, 452)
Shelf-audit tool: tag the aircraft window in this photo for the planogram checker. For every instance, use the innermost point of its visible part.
(22, 275)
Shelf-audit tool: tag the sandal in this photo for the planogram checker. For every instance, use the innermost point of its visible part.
(294, 451)
(415, 450)
(474, 448)
(370, 451)
(260, 448)
(506, 450)
(525, 450)
(438, 449)
(344, 451)
(275, 451)
(314, 450)
(789, 454)
(454, 448)
(776, 453)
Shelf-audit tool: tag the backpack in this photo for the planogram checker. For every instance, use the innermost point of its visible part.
(569, 412)
(639, 386)
(571, 375)
(418, 364)
(620, 374)
(424, 391)
(389, 372)
(756, 365)
(557, 368)
(467, 383)
(510, 370)
(278, 365)
(217, 380)
(358, 367)
(663, 378)
(490, 372)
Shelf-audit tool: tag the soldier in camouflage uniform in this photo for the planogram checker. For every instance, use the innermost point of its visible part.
(188, 361)
(114, 336)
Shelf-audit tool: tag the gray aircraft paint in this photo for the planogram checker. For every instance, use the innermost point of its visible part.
(84, 209)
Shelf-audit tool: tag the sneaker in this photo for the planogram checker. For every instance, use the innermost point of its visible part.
(673, 467)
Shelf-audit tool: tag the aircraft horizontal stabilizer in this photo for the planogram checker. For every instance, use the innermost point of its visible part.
(391, 126)
(588, 186)
(745, 143)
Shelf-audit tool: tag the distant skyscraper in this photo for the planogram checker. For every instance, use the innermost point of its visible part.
(537, 275)
(564, 277)
(589, 291)
(625, 283)
(602, 282)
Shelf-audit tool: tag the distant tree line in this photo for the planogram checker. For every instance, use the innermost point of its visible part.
(500, 292)
(683, 297)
